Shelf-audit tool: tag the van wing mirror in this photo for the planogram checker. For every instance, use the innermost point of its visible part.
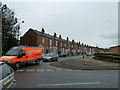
(19, 56)
(23, 54)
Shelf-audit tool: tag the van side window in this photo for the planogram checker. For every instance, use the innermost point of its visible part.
(23, 53)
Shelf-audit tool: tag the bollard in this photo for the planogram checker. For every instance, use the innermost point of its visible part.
(83, 56)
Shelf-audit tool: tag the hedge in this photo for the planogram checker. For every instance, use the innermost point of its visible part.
(110, 56)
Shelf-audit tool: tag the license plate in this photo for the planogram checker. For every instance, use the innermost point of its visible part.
(8, 84)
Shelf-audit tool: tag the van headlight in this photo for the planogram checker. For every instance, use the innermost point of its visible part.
(9, 61)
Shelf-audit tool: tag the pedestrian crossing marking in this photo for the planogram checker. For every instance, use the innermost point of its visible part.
(30, 70)
(41, 70)
(21, 70)
(50, 70)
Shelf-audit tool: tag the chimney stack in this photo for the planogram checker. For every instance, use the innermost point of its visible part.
(55, 35)
(67, 39)
(43, 31)
(73, 40)
(60, 36)
(82, 44)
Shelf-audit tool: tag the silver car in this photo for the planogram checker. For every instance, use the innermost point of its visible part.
(6, 76)
(51, 57)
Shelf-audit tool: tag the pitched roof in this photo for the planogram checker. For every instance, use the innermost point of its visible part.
(48, 35)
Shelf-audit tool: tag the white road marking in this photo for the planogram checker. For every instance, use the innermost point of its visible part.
(65, 84)
(40, 70)
(67, 70)
(50, 70)
(20, 70)
(77, 70)
(30, 70)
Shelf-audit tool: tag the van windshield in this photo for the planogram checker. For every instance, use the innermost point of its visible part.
(13, 52)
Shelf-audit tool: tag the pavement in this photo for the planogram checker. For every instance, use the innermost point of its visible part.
(87, 63)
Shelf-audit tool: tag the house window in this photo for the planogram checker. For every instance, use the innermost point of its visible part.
(61, 44)
(50, 42)
(56, 43)
(43, 40)
(72, 46)
(65, 44)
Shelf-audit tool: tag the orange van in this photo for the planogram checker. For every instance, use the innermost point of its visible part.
(20, 55)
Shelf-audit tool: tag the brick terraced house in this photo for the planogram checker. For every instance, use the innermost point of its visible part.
(54, 44)
(115, 49)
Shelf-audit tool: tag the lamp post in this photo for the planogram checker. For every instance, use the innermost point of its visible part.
(0, 29)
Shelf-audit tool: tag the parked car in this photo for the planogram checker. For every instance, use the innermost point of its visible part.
(89, 54)
(62, 55)
(94, 53)
(20, 55)
(43, 54)
(51, 57)
(7, 76)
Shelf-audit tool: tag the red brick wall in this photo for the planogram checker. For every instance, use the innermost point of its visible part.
(115, 50)
(40, 42)
(29, 38)
(39, 39)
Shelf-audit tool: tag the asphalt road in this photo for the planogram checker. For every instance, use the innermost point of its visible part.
(45, 76)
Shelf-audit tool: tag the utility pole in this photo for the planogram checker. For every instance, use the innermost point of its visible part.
(0, 29)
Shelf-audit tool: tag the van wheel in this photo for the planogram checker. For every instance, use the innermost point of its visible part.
(37, 62)
(17, 65)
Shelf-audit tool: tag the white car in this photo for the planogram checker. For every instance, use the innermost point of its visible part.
(6, 76)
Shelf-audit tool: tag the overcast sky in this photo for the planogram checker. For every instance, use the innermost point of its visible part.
(92, 23)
